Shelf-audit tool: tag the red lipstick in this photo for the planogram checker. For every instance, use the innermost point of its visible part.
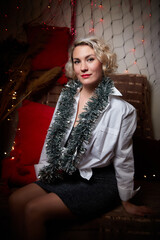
(85, 75)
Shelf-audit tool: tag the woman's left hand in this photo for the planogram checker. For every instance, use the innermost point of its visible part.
(136, 210)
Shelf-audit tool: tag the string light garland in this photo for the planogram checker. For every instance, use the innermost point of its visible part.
(94, 6)
(105, 10)
(91, 30)
(73, 18)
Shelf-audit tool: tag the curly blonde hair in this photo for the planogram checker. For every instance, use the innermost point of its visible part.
(102, 51)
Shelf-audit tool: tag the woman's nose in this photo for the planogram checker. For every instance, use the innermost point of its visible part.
(84, 66)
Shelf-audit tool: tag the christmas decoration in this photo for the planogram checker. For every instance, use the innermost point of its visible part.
(65, 159)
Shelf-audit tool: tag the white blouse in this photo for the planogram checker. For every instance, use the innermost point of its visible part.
(111, 142)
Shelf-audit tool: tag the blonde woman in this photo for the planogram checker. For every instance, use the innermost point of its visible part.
(86, 166)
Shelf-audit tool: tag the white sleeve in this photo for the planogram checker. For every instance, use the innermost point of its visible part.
(124, 160)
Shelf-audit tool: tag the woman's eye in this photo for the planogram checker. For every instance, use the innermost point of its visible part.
(76, 62)
(90, 59)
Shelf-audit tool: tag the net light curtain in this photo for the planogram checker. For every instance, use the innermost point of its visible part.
(132, 28)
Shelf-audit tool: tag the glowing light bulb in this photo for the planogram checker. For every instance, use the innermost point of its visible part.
(91, 30)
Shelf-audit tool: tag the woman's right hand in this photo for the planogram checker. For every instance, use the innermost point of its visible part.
(136, 210)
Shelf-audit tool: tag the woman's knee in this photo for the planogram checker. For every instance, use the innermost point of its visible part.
(18, 199)
(46, 207)
(33, 212)
(25, 194)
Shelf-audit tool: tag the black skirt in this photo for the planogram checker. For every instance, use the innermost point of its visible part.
(87, 198)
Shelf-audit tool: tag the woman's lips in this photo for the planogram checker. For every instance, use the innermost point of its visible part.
(85, 75)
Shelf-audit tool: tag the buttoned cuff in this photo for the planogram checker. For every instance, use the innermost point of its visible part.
(126, 194)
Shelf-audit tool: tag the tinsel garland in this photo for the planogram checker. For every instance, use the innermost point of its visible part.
(65, 158)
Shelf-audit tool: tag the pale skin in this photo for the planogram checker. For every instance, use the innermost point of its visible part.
(31, 206)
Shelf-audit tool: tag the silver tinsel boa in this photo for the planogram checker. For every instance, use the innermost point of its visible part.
(64, 159)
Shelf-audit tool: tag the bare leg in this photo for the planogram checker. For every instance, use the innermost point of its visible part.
(31, 207)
